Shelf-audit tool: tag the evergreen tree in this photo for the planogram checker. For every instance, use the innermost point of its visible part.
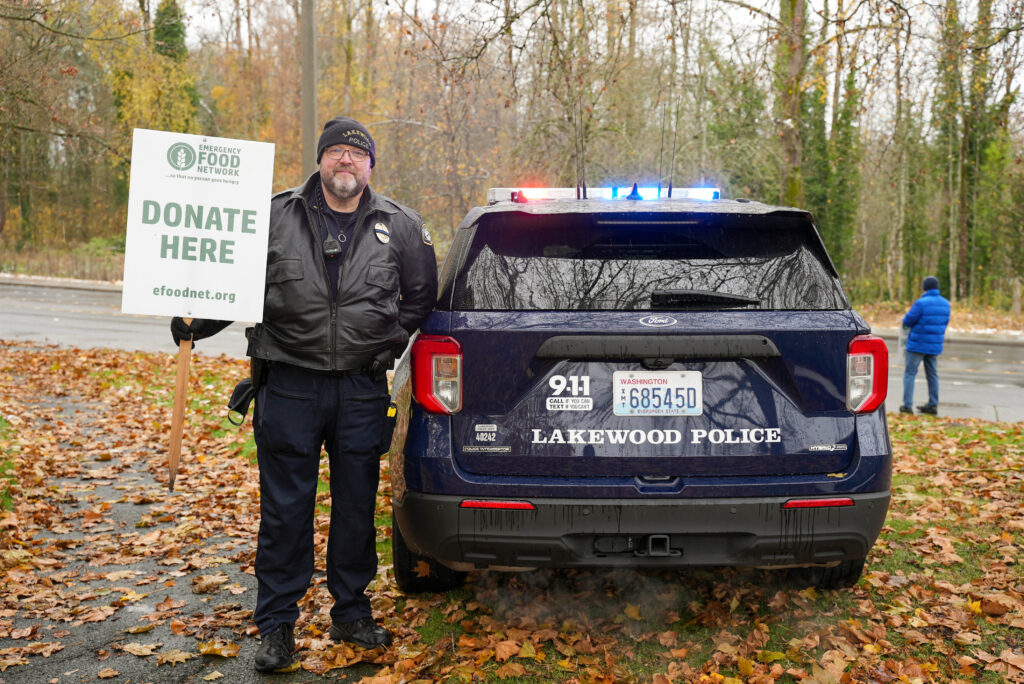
(814, 134)
(844, 175)
(169, 31)
(831, 166)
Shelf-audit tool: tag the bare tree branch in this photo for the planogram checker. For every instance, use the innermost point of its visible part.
(71, 135)
(33, 18)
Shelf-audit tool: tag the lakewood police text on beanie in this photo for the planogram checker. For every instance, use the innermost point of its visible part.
(342, 130)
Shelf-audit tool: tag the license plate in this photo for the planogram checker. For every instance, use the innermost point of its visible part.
(658, 393)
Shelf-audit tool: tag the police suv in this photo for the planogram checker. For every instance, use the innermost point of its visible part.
(640, 380)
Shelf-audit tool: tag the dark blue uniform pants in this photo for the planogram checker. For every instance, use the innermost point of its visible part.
(297, 411)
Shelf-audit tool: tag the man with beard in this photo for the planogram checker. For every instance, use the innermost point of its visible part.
(351, 274)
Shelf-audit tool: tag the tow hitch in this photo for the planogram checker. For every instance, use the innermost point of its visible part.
(658, 547)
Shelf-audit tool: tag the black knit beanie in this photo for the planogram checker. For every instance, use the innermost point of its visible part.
(342, 130)
(930, 283)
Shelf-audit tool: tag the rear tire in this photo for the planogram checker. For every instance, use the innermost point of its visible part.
(841, 576)
(411, 568)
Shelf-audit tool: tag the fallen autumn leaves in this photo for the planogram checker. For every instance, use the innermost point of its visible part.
(106, 575)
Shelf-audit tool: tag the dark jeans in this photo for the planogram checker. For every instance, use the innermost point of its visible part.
(297, 412)
(931, 372)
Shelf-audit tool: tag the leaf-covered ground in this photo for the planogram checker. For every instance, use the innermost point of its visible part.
(104, 574)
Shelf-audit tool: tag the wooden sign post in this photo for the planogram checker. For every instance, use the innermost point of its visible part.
(178, 416)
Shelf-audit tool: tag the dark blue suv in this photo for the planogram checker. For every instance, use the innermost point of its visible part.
(649, 383)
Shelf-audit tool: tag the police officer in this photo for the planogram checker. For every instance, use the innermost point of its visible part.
(351, 274)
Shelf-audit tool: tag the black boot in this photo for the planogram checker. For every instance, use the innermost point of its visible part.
(275, 651)
(362, 632)
(930, 409)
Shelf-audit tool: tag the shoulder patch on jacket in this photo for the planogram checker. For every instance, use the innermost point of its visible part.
(426, 236)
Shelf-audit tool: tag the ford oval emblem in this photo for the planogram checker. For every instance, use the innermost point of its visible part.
(658, 321)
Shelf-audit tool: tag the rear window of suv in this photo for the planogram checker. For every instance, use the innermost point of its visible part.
(643, 261)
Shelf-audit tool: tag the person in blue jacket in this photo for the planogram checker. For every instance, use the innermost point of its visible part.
(927, 321)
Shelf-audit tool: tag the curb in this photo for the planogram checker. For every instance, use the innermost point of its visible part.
(1002, 339)
(65, 283)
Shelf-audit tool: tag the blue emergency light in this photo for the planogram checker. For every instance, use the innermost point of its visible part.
(609, 193)
(649, 193)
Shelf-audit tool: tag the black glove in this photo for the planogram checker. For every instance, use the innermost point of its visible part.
(378, 367)
(199, 329)
(241, 397)
(180, 330)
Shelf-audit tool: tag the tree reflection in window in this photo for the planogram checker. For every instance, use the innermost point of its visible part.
(551, 263)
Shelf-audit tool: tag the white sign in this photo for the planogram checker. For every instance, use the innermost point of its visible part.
(198, 219)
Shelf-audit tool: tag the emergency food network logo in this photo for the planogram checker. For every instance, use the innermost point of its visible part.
(209, 160)
(181, 156)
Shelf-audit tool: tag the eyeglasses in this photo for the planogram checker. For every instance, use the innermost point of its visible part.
(337, 153)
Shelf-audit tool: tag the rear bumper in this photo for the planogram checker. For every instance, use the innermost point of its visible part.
(627, 532)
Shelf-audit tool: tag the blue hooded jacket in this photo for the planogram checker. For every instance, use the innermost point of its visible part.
(927, 320)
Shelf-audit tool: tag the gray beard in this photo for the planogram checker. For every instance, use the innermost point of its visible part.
(343, 189)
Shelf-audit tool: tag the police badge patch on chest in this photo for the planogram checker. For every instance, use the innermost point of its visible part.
(382, 232)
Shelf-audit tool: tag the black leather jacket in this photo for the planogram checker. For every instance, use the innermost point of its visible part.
(386, 287)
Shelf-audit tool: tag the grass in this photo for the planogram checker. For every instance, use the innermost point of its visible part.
(5, 467)
(98, 259)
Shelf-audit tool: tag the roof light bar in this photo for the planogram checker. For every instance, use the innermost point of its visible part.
(610, 193)
(649, 193)
(698, 193)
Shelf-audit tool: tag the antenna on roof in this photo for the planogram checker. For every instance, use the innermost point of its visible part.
(661, 152)
(579, 140)
(672, 164)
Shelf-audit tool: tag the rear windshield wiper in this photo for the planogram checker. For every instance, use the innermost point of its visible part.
(693, 299)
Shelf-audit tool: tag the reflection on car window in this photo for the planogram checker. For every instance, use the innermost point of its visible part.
(522, 262)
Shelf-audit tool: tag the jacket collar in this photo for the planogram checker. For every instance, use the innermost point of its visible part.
(369, 202)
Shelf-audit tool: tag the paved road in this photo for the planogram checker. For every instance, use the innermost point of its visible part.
(981, 376)
(86, 314)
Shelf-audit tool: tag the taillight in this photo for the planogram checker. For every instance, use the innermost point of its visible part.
(437, 373)
(867, 373)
